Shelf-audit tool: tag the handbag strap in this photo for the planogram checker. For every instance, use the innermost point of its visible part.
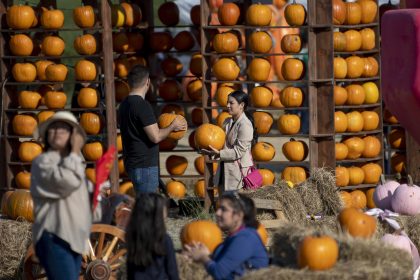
(240, 165)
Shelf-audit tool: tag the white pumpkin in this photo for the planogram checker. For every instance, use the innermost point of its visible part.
(398, 241)
(406, 199)
(383, 193)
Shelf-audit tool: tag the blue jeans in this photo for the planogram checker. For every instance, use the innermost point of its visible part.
(57, 258)
(145, 180)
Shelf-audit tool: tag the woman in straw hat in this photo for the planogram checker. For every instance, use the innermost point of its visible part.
(60, 191)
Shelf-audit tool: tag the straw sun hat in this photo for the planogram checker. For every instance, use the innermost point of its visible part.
(61, 116)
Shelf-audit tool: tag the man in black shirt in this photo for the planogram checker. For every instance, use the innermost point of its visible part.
(141, 134)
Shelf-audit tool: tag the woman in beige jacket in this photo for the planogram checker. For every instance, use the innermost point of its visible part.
(240, 136)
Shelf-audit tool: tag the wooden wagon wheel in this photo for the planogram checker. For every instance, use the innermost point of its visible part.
(106, 255)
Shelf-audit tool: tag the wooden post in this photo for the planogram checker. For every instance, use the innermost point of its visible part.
(111, 124)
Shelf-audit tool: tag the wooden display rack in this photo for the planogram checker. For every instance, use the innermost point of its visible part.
(317, 85)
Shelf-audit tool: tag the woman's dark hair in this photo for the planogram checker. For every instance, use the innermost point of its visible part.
(242, 97)
(146, 230)
(244, 204)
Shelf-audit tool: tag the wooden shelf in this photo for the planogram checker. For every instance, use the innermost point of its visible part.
(377, 131)
(253, 27)
(358, 160)
(374, 51)
(279, 135)
(10, 57)
(255, 82)
(362, 186)
(259, 109)
(19, 110)
(37, 83)
(43, 30)
(357, 26)
(181, 176)
(242, 52)
(358, 79)
(358, 106)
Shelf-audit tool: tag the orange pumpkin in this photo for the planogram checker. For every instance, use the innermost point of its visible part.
(373, 172)
(340, 96)
(291, 43)
(56, 72)
(127, 188)
(398, 163)
(93, 151)
(41, 67)
(20, 17)
(342, 177)
(199, 165)
(206, 232)
(356, 175)
(258, 15)
(166, 119)
(85, 44)
(196, 64)
(44, 115)
(228, 14)
(354, 121)
(291, 97)
(226, 69)
(317, 252)
(133, 14)
(368, 10)
(262, 232)
(353, 13)
(346, 198)
(23, 124)
(29, 150)
(353, 40)
(263, 122)
(295, 150)
(170, 90)
(183, 41)
(91, 174)
(260, 42)
(372, 147)
(397, 138)
(176, 165)
(52, 46)
(292, 69)
(267, 175)
(289, 124)
(368, 39)
(3, 204)
(121, 167)
(29, 99)
(55, 99)
(200, 188)
(171, 66)
(24, 72)
(389, 117)
(221, 118)
(122, 90)
(195, 15)
(20, 204)
(370, 67)
(340, 68)
(261, 96)
(85, 70)
(294, 174)
(209, 135)
(358, 199)
(167, 144)
(87, 98)
(341, 151)
(194, 89)
(295, 14)
(340, 122)
(355, 66)
(263, 151)
(23, 180)
(355, 94)
(356, 146)
(135, 41)
(84, 16)
(117, 15)
(176, 189)
(226, 42)
(369, 197)
(168, 13)
(370, 120)
(91, 123)
(51, 19)
(357, 223)
(222, 94)
(21, 45)
(340, 41)
(160, 41)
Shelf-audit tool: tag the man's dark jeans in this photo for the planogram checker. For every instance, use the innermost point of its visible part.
(145, 180)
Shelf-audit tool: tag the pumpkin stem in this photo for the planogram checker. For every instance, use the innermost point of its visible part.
(398, 176)
(382, 179)
(410, 180)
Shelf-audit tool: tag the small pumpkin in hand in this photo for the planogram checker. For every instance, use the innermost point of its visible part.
(166, 119)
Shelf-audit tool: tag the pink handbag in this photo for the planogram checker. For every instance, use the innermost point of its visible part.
(253, 179)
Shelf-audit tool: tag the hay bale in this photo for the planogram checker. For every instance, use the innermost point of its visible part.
(265, 215)
(310, 197)
(15, 238)
(349, 270)
(291, 204)
(411, 225)
(329, 223)
(392, 263)
(188, 269)
(324, 180)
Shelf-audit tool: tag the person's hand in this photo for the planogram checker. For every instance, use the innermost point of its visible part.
(197, 251)
(76, 142)
(214, 150)
(179, 124)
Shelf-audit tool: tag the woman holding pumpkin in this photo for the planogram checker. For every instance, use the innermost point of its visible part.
(241, 134)
(59, 189)
(242, 250)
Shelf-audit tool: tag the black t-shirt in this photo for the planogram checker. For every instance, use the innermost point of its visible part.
(135, 113)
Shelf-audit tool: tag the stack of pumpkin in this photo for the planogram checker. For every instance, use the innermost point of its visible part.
(396, 140)
(40, 103)
(359, 156)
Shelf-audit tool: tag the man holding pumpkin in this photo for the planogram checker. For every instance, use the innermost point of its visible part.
(141, 134)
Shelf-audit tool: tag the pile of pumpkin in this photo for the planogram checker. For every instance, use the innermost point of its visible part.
(396, 140)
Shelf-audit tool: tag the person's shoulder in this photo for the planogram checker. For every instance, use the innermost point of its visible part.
(46, 156)
(249, 233)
